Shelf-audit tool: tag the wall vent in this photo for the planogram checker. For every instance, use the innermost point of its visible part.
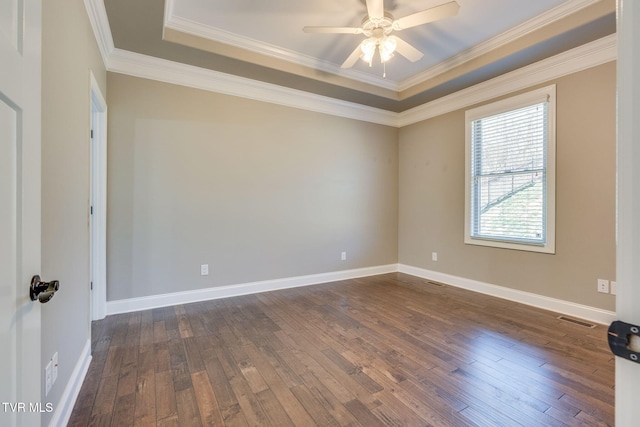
(576, 321)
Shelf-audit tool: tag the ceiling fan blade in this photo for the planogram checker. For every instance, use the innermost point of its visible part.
(375, 9)
(352, 59)
(408, 51)
(430, 15)
(333, 30)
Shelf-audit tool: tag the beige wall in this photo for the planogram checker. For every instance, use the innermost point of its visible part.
(255, 190)
(432, 199)
(260, 191)
(69, 52)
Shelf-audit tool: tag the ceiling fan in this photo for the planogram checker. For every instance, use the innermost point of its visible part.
(378, 25)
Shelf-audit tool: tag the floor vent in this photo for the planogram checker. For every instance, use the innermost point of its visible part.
(576, 321)
(429, 282)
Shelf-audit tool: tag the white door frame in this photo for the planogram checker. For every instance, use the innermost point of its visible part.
(628, 209)
(98, 202)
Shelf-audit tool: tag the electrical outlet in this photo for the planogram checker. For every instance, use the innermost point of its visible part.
(434, 256)
(54, 368)
(47, 378)
(204, 269)
(343, 256)
(603, 286)
(614, 287)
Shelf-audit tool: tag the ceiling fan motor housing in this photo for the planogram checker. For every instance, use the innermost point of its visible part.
(377, 27)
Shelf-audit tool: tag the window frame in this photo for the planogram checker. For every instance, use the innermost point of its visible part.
(548, 94)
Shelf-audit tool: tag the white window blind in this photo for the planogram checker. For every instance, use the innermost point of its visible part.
(508, 174)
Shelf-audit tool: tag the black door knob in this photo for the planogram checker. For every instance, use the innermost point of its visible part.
(42, 291)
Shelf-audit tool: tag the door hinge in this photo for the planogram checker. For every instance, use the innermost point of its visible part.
(91, 285)
(91, 210)
(91, 133)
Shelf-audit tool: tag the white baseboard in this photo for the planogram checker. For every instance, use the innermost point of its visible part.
(62, 411)
(592, 314)
(164, 300)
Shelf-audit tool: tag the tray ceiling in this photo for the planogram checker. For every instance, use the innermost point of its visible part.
(264, 41)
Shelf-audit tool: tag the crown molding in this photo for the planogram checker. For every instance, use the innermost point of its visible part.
(139, 65)
(572, 61)
(116, 60)
(557, 13)
(206, 32)
(197, 29)
(101, 30)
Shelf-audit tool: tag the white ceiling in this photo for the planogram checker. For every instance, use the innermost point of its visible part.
(274, 28)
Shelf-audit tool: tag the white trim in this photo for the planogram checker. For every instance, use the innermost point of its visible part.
(101, 29)
(572, 61)
(581, 58)
(149, 67)
(575, 60)
(62, 412)
(547, 303)
(98, 200)
(593, 314)
(197, 29)
(559, 12)
(164, 300)
(548, 94)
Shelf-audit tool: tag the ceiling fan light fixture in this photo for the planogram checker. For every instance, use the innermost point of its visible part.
(377, 26)
(368, 48)
(387, 47)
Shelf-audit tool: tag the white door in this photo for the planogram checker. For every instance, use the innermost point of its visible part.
(20, 383)
(628, 255)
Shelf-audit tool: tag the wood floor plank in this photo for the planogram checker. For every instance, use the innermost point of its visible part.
(329, 401)
(162, 359)
(286, 372)
(282, 393)
(391, 349)
(314, 408)
(166, 404)
(249, 403)
(106, 395)
(364, 416)
(274, 411)
(169, 422)
(145, 402)
(192, 354)
(218, 380)
(127, 379)
(188, 412)
(124, 411)
(113, 361)
(207, 403)
(179, 365)
(159, 332)
(146, 328)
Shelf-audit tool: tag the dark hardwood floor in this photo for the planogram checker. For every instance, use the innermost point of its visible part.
(385, 350)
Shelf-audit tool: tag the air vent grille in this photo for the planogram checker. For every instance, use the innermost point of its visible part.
(430, 282)
(576, 321)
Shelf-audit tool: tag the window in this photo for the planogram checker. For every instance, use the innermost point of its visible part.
(510, 173)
